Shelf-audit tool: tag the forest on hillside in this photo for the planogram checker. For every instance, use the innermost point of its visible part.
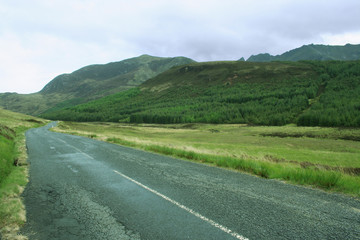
(327, 95)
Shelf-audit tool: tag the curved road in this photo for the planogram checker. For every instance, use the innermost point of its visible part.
(85, 189)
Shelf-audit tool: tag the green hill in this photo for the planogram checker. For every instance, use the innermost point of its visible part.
(276, 93)
(313, 52)
(148, 89)
(89, 83)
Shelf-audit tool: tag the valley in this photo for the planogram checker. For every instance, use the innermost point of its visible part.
(292, 118)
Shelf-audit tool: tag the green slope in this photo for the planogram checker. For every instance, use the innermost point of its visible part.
(89, 83)
(313, 52)
(276, 93)
(13, 170)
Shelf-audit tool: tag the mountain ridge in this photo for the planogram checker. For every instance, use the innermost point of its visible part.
(317, 52)
(100, 80)
(110, 72)
(89, 83)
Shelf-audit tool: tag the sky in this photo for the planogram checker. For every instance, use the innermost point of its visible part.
(40, 39)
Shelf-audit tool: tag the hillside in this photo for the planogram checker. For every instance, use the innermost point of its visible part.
(276, 93)
(313, 52)
(112, 77)
(89, 83)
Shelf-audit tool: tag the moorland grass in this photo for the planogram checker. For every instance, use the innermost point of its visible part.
(324, 179)
(319, 160)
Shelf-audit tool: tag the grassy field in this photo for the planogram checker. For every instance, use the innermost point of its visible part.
(328, 158)
(13, 170)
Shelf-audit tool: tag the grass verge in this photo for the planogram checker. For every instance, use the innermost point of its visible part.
(13, 171)
(12, 210)
(324, 179)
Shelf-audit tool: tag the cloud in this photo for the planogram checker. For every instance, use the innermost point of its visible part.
(28, 63)
(340, 39)
(17, 71)
(45, 38)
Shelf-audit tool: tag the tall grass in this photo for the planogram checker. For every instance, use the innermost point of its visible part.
(11, 208)
(13, 170)
(6, 156)
(321, 178)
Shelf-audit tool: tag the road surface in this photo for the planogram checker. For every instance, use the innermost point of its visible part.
(86, 189)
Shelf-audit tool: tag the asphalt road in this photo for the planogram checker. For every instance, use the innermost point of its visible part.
(85, 189)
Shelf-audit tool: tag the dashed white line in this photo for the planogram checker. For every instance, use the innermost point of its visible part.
(76, 149)
(72, 169)
(213, 223)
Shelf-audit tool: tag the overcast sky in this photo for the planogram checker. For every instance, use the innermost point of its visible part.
(40, 39)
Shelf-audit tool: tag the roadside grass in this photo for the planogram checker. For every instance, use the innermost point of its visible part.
(327, 158)
(12, 210)
(13, 170)
(6, 152)
(324, 179)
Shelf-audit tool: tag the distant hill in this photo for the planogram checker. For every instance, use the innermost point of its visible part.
(275, 93)
(278, 91)
(112, 77)
(89, 83)
(313, 52)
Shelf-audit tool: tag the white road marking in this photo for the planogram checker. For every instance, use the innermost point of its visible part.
(76, 149)
(72, 169)
(213, 223)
